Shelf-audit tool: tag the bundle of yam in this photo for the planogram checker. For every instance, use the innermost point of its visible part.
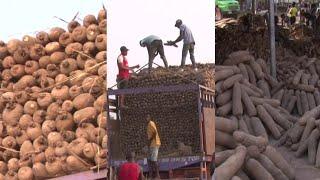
(176, 109)
(51, 101)
(246, 116)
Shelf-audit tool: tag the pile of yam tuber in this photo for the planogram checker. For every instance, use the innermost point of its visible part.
(175, 113)
(247, 116)
(230, 37)
(52, 99)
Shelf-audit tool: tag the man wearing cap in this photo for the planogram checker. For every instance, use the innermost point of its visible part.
(188, 42)
(154, 46)
(124, 71)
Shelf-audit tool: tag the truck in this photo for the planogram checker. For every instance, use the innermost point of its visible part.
(228, 7)
(190, 121)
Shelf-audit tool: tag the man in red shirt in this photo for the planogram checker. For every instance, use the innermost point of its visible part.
(130, 170)
(124, 71)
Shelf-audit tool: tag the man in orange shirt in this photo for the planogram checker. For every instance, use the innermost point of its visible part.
(154, 145)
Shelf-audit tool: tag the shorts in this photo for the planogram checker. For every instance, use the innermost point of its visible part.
(122, 83)
(292, 20)
(153, 153)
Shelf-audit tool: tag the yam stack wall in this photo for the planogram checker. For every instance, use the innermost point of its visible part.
(175, 113)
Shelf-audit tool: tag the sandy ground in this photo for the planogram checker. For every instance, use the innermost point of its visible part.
(303, 170)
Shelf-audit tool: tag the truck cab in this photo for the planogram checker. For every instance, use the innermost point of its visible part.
(228, 6)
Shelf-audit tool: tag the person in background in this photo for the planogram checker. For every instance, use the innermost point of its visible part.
(287, 19)
(130, 170)
(302, 15)
(218, 13)
(154, 46)
(307, 14)
(317, 27)
(313, 16)
(124, 72)
(188, 43)
(293, 14)
(154, 144)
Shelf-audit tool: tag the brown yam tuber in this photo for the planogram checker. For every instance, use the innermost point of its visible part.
(87, 114)
(225, 139)
(237, 108)
(256, 170)
(249, 140)
(226, 125)
(283, 122)
(312, 146)
(248, 104)
(83, 100)
(258, 128)
(279, 161)
(233, 164)
(268, 121)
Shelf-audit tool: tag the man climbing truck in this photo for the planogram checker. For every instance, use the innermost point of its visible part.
(154, 46)
(124, 72)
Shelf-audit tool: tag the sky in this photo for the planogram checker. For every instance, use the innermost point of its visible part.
(129, 21)
(20, 17)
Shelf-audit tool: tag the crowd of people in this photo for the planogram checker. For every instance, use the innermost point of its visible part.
(308, 14)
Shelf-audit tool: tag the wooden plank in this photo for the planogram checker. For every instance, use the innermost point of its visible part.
(209, 130)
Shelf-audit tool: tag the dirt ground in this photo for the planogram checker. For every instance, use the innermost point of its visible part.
(303, 170)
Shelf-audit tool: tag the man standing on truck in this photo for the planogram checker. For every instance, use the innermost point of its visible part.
(154, 46)
(188, 42)
(154, 145)
(130, 170)
(124, 72)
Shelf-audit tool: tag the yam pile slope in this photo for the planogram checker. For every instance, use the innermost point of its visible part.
(175, 113)
(52, 99)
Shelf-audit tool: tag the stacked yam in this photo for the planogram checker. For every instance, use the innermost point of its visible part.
(302, 87)
(246, 115)
(51, 98)
(169, 109)
(303, 137)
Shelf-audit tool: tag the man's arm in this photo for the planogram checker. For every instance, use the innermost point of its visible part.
(141, 176)
(179, 38)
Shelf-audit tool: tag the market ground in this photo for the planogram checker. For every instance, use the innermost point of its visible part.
(303, 170)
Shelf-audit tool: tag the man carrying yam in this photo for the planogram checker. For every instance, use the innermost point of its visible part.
(154, 46)
(154, 145)
(124, 72)
(188, 43)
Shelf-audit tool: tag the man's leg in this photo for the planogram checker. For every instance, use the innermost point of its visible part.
(152, 54)
(191, 51)
(154, 159)
(123, 84)
(150, 168)
(161, 52)
(150, 164)
(184, 54)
